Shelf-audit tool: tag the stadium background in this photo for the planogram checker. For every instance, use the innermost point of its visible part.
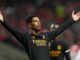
(49, 11)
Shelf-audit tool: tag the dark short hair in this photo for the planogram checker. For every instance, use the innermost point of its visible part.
(29, 18)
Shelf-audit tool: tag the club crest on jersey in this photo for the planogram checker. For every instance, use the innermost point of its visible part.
(59, 47)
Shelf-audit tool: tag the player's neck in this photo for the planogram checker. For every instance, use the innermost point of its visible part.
(35, 32)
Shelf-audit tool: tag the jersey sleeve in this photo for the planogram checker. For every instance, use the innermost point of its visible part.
(54, 33)
(16, 33)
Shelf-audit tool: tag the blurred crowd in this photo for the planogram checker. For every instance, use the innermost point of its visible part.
(49, 11)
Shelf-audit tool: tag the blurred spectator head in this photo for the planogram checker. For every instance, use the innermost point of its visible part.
(53, 26)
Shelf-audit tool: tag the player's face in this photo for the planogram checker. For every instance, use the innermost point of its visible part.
(36, 24)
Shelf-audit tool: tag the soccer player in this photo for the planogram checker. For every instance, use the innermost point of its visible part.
(34, 41)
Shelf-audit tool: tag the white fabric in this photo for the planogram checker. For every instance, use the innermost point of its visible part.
(78, 55)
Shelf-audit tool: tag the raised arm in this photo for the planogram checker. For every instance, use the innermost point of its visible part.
(19, 35)
(75, 17)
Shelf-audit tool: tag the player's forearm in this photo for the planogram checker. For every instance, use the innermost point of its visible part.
(13, 31)
(62, 27)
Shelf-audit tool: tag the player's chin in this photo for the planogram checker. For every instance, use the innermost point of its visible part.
(38, 28)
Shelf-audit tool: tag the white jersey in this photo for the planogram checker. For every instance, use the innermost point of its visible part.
(78, 55)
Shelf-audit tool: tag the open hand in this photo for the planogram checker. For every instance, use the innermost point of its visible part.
(1, 17)
(76, 16)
